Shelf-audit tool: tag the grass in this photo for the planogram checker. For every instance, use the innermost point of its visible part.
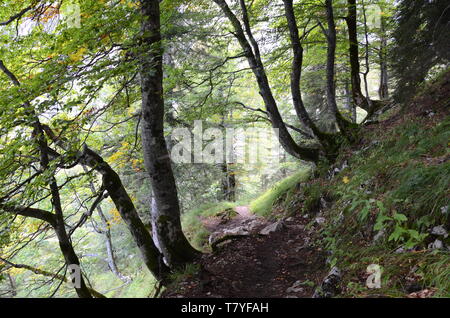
(193, 227)
(142, 286)
(401, 176)
(263, 205)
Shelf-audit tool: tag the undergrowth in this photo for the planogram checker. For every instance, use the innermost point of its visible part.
(381, 206)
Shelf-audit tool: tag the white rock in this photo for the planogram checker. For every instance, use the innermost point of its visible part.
(320, 220)
(240, 230)
(436, 245)
(271, 228)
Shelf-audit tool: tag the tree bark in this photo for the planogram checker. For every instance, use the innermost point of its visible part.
(174, 245)
(12, 284)
(348, 102)
(383, 90)
(228, 183)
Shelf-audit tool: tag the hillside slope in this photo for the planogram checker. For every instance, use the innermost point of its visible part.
(382, 211)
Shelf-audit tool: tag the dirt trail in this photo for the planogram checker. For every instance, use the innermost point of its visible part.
(244, 211)
(280, 264)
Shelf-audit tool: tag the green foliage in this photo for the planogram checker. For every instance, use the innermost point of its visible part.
(188, 271)
(419, 25)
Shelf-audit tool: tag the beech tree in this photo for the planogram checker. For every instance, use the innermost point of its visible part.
(88, 109)
(166, 218)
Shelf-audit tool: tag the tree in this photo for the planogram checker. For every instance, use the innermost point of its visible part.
(421, 43)
(251, 51)
(56, 220)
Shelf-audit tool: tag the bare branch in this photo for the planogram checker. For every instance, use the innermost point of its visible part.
(16, 16)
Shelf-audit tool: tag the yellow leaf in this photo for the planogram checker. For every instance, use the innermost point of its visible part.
(78, 55)
(345, 180)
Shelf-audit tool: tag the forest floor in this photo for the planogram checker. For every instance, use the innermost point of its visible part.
(257, 265)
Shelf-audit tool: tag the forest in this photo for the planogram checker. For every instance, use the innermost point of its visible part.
(224, 148)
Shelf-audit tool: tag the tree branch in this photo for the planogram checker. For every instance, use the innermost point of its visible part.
(42, 272)
(16, 16)
(30, 212)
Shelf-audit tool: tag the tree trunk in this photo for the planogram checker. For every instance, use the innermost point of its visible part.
(383, 91)
(228, 183)
(348, 102)
(251, 51)
(326, 140)
(345, 126)
(173, 243)
(12, 284)
(70, 257)
(358, 97)
(57, 221)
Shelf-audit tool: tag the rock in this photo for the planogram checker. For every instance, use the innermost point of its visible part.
(272, 228)
(444, 209)
(413, 287)
(379, 236)
(320, 220)
(399, 250)
(253, 223)
(295, 288)
(439, 231)
(436, 245)
(290, 219)
(247, 227)
(330, 285)
(240, 230)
